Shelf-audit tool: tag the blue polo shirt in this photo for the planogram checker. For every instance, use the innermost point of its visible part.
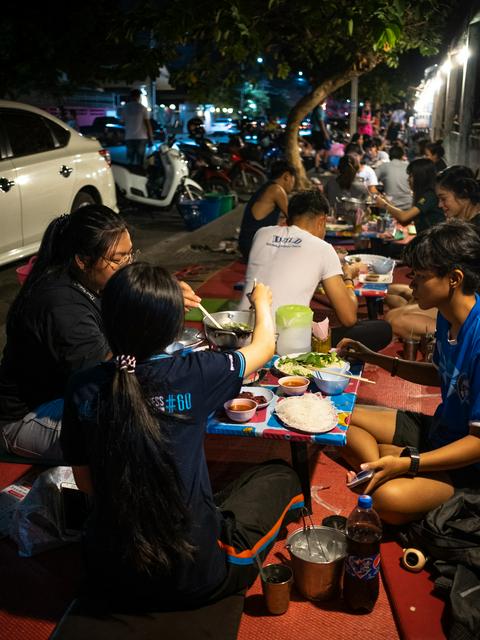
(458, 364)
(193, 386)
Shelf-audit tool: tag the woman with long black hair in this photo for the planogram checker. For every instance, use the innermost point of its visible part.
(346, 184)
(425, 211)
(134, 433)
(54, 326)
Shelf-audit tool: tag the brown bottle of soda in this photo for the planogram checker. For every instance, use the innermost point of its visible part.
(362, 563)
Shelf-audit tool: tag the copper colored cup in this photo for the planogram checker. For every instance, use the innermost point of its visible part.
(410, 348)
(277, 580)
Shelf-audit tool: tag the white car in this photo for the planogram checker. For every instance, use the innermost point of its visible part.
(46, 169)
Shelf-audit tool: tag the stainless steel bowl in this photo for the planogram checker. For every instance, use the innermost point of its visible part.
(224, 339)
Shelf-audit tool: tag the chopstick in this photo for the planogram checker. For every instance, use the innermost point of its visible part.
(346, 375)
(210, 317)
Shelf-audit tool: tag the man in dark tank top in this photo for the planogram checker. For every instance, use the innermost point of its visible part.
(267, 205)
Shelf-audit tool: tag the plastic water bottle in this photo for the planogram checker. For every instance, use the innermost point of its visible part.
(362, 564)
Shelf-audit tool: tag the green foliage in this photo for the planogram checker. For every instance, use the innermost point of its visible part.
(211, 43)
(317, 37)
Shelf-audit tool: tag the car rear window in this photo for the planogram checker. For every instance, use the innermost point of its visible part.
(27, 133)
(61, 135)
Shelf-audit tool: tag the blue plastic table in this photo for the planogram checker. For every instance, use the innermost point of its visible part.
(266, 425)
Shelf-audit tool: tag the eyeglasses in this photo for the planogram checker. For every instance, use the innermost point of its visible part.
(127, 258)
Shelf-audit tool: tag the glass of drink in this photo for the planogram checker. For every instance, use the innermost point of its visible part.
(322, 346)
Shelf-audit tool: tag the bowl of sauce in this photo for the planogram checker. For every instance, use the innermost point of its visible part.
(293, 385)
(240, 409)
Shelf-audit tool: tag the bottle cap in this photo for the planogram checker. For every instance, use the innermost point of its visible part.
(365, 502)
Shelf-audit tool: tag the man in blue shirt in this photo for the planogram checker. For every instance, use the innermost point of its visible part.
(419, 460)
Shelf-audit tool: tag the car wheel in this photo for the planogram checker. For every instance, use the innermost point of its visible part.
(82, 199)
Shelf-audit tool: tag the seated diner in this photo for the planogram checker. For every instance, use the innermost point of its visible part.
(418, 460)
(294, 259)
(134, 430)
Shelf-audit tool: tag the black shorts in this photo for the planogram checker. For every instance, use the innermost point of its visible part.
(412, 428)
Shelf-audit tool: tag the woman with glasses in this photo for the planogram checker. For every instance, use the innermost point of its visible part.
(418, 460)
(54, 326)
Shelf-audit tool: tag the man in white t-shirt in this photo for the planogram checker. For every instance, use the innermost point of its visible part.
(292, 260)
(138, 129)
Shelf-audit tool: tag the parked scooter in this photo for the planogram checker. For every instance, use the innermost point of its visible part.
(163, 183)
(230, 172)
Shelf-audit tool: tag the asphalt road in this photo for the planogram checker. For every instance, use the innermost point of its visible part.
(162, 239)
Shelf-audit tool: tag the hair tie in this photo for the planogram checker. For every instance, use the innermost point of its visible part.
(126, 362)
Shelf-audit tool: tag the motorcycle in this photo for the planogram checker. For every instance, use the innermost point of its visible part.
(224, 174)
(162, 183)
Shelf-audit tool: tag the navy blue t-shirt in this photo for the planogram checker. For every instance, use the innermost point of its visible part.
(194, 386)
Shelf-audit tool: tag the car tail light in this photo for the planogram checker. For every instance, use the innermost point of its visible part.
(106, 156)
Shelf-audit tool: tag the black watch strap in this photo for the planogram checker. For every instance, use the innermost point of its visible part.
(413, 454)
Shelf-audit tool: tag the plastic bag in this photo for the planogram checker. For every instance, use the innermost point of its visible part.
(37, 524)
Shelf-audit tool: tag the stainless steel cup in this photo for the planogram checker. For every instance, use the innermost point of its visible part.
(410, 348)
(277, 582)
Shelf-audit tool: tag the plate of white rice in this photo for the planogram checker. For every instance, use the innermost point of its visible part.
(310, 413)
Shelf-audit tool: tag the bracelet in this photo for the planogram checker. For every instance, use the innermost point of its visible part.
(393, 372)
(345, 279)
(349, 286)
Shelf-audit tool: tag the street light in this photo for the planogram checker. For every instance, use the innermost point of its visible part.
(300, 73)
(259, 60)
(463, 55)
(446, 67)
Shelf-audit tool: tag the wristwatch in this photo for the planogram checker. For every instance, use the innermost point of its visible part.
(412, 453)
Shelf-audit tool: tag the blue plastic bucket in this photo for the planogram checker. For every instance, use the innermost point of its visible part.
(210, 209)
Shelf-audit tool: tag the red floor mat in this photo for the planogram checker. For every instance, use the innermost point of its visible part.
(221, 284)
(417, 611)
(34, 592)
(304, 619)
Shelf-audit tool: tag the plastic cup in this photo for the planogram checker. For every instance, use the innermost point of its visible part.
(322, 346)
(410, 348)
(277, 580)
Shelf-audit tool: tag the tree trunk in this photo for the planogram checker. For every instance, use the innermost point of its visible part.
(300, 111)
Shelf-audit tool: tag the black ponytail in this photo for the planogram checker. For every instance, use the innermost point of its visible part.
(89, 232)
(51, 258)
(139, 493)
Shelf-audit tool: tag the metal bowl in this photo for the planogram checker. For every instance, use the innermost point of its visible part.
(225, 339)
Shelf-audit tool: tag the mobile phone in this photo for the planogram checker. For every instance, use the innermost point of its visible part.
(361, 478)
(75, 508)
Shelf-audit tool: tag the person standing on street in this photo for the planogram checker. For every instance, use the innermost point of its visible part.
(138, 129)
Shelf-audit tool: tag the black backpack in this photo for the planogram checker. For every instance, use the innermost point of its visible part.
(450, 536)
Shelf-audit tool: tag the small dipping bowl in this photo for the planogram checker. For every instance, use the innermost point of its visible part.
(240, 409)
(330, 384)
(293, 385)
